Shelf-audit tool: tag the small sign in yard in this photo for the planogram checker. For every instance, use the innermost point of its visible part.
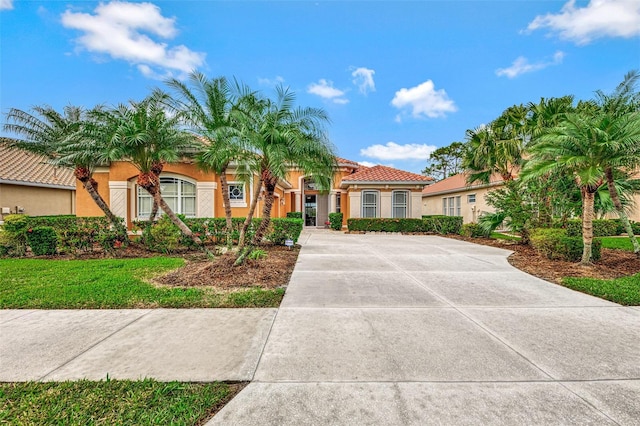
(288, 243)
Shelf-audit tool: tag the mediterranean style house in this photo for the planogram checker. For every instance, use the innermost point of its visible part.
(356, 191)
(454, 197)
(30, 185)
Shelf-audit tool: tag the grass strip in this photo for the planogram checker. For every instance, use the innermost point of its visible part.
(112, 402)
(112, 284)
(619, 243)
(625, 290)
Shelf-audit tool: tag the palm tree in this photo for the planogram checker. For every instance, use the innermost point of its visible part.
(621, 121)
(281, 137)
(208, 106)
(63, 138)
(147, 136)
(574, 146)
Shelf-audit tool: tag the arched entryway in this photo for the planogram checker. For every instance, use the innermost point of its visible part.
(316, 204)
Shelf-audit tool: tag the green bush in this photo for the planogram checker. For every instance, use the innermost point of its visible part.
(555, 244)
(294, 215)
(335, 221)
(282, 229)
(43, 240)
(472, 230)
(164, 236)
(429, 224)
(76, 233)
(15, 239)
(601, 228)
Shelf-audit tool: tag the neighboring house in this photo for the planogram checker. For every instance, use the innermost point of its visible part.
(357, 191)
(454, 197)
(29, 184)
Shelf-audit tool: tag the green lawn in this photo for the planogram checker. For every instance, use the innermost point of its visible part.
(111, 402)
(111, 283)
(625, 290)
(620, 243)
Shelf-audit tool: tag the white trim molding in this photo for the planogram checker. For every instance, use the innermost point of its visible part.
(205, 206)
(118, 198)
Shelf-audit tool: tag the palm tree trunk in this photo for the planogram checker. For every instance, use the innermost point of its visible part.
(587, 225)
(252, 209)
(613, 193)
(90, 186)
(224, 187)
(270, 187)
(154, 212)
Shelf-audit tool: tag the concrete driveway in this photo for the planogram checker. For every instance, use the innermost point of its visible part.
(401, 330)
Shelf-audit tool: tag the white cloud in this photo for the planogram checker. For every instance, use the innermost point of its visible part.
(599, 18)
(325, 89)
(522, 66)
(6, 4)
(122, 30)
(394, 151)
(424, 101)
(363, 78)
(270, 81)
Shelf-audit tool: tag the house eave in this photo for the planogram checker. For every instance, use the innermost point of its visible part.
(345, 184)
(464, 188)
(37, 184)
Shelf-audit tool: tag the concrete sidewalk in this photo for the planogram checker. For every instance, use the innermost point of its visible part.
(390, 329)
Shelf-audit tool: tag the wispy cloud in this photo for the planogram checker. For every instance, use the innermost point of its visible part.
(325, 90)
(124, 31)
(270, 81)
(394, 151)
(424, 101)
(6, 4)
(363, 78)
(522, 66)
(599, 18)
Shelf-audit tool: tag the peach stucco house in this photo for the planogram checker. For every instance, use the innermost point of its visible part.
(357, 191)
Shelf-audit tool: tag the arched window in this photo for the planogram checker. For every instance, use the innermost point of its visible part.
(369, 203)
(400, 204)
(179, 194)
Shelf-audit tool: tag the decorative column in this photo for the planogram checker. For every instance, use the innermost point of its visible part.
(205, 199)
(354, 204)
(298, 206)
(118, 199)
(332, 202)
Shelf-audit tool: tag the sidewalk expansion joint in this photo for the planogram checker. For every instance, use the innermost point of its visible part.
(94, 345)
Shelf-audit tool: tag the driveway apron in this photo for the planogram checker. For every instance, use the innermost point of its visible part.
(401, 330)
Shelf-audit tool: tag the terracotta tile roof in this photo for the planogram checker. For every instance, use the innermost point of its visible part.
(385, 174)
(457, 183)
(23, 168)
(344, 161)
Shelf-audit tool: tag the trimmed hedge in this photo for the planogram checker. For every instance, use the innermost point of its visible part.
(472, 230)
(601, 228)
(429, 224)
(335, 221)
(43, 240)
(283, 229)
(555, 244)
(77, 233)
(294, 215)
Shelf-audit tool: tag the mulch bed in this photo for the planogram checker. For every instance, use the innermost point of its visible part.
(613, 264)
(272, 271)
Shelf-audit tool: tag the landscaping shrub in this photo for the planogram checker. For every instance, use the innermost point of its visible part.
(282, 229)
(335, 221)
(15, 238)
(555, 244)
(43, 240)
(472, 230)
(294, 215)
(163, 236)
(429, 224)
(601, 228)
(77, 233)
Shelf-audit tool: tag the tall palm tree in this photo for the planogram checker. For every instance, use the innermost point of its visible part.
(574, 146)
(283, 136)
(147, 136)
(209, 106)
(620, 118)
(63, 138)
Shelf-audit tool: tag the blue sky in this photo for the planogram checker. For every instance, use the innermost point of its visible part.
(398, 79)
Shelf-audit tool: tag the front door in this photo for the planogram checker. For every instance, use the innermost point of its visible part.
(310, 210)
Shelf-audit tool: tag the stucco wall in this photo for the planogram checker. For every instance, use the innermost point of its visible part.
(385, 207)
(470, 211)
(37, 201)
